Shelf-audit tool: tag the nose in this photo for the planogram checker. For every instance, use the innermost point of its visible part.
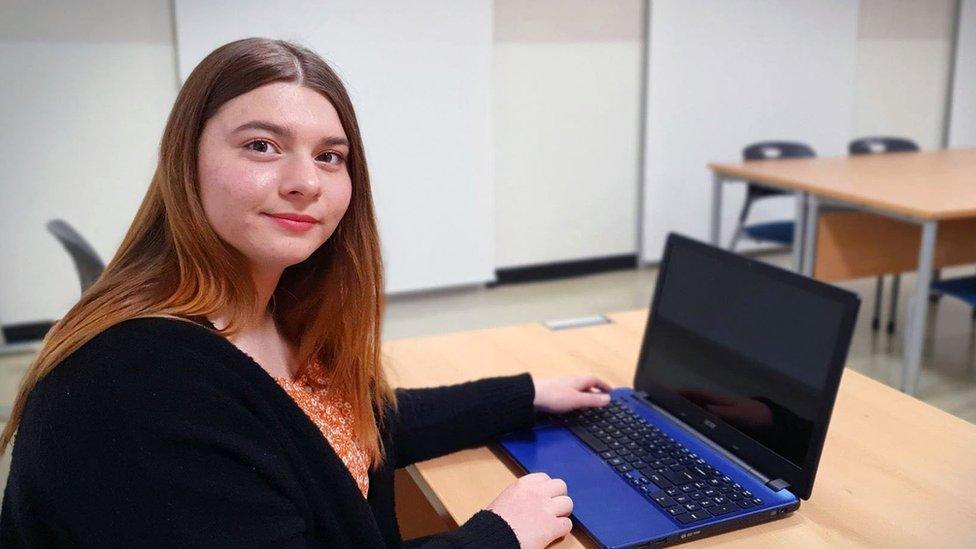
(300, 179)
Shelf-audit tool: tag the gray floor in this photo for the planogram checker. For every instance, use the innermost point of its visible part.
(949, 364)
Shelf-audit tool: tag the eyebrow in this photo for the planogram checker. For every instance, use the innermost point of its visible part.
(329, 141)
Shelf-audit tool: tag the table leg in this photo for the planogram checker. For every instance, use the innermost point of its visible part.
(715, 228)
(799, 231)
(915, 329)
(810, 234)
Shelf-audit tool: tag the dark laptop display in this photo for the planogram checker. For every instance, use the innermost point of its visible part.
(750, 356)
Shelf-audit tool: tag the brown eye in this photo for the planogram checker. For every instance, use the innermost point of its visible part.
(260, 146)
(331, 158)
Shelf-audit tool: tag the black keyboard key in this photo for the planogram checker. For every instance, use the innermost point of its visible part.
(676, 477)
(663, 499)
(594, 443)
(675, 511)
(745, 503)
(623, 468)
(682, 499)
(615, 461)
(672, 491)
(723, 509)
(693, 516)
(692, 506)
(699, 471)
(608, 454)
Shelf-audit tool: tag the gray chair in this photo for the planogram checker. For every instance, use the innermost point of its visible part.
(882, 145)
(87, 262)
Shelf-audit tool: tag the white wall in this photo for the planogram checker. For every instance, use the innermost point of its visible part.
(566, 110)
(962, 125)
(724, 74)
(903, 51)
(419, 74)
(87, 92)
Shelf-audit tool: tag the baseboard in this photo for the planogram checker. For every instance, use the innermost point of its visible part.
(564, 269)
(26, 331)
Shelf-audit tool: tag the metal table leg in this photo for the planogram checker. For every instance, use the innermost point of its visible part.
(810, 234)
(715, 228)
(799, 231)
(915, 327)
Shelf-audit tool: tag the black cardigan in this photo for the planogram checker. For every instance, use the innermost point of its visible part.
(160, 432)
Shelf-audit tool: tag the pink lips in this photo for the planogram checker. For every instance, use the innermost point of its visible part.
(294, 222)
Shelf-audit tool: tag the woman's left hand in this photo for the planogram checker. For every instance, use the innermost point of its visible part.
(558, 395)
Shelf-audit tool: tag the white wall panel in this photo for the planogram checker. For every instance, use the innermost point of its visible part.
(419, 74)
(725, 74)
(962, 118)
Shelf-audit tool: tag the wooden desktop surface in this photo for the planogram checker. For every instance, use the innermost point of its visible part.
(938, 184)
(895, 471)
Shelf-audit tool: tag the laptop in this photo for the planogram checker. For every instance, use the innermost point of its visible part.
(724, 427)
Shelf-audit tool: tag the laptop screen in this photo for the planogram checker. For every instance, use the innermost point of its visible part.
(747, 352)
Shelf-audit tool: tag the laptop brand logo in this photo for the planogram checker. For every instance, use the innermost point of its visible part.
(690, 534)
(710, 425)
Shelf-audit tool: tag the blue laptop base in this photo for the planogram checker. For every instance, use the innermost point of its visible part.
(610, 510)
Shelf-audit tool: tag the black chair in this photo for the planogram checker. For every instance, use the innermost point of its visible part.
(87, 262)
(775, 231)
(882, 145)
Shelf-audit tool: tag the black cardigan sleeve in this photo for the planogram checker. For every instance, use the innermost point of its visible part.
(437, 421)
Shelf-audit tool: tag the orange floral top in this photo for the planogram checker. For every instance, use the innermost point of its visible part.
(333, 416)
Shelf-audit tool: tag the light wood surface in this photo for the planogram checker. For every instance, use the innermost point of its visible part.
(895, 472)
(928, 185)
(855, 244)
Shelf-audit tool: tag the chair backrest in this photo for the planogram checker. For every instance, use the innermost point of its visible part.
(769, 150)
(87, 262)
(880, 145)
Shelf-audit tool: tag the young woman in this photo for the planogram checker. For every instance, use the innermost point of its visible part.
(221, 384)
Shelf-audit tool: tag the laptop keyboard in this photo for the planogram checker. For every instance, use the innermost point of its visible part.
(675, 479)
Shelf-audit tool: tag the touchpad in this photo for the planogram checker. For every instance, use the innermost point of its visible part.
(603, 502)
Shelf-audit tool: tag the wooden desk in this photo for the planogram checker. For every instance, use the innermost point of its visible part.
(923, 188)
(895, 471)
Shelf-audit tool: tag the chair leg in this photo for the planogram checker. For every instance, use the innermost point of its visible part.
(878, 295)
(735, 237)
(893, 312)
(934, 295)
(740, 227)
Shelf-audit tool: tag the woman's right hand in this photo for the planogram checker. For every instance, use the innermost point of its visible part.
(537, 508)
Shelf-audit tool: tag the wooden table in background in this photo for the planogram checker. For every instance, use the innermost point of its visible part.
(902, 201)
(895, 471)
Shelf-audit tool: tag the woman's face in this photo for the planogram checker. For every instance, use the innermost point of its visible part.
(273, 176)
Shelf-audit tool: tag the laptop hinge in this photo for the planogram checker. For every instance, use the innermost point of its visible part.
(643, 397)
(777, 484)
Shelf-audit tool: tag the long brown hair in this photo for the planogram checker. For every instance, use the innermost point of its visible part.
(171, 263)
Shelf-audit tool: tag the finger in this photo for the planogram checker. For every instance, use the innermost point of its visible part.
(535, 477)
(563, 526)
(585, 383)
(592, 400)
(555, 487)
(561, 506)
